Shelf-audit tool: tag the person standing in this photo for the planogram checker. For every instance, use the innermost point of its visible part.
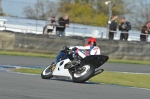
(113, 27)
(50, 23)
(145, 31)
(63, 23)
(124, 27)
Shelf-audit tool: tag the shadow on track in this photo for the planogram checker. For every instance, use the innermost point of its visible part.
(63, 80)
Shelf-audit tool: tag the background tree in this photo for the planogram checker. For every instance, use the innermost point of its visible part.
(139, 12)
(89, 11)
(1, 10)
(41, 10)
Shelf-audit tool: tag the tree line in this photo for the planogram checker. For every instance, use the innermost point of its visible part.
(93, 12)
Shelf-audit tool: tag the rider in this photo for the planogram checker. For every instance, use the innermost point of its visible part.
(90, 47)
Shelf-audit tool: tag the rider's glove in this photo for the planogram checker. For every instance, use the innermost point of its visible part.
(65, 48)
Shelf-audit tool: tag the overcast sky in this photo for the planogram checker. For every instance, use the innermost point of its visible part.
(15, 7)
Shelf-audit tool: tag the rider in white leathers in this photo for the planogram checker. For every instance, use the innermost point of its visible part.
(90, 47)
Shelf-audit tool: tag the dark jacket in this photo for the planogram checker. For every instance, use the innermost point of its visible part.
(113, 25)
(62, 24)
(144, 28)
(127, 26)
(53, 21)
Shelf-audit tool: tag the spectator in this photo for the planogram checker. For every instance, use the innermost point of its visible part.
(63, 23)
(124, 27)
(145, 31)
(49, 25)
(113, 27)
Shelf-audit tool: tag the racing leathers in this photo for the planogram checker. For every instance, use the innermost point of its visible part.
(87, 50)
(82, 51)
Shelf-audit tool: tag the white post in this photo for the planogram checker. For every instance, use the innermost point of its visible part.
(109, 15)
(37, 15)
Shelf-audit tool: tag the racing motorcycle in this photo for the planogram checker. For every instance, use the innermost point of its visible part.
(75, 68)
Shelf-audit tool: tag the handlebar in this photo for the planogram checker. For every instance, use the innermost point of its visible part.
(68, 49)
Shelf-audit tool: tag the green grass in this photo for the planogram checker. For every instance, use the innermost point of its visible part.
(124, 79)
(29, 71)
(14, 53)
(133, 80)
(129, 61)
(30, 54)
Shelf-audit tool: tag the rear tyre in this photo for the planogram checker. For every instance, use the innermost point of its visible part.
(85, 74)
(47, 73)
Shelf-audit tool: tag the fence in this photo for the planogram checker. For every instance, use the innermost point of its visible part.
(72, 30)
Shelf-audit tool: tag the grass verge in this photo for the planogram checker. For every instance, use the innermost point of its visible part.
(30, 54)
(29, 71)
(53, 56)
(124, 79)
(129, 61)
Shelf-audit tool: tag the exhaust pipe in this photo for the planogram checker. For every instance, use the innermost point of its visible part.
(98, 71)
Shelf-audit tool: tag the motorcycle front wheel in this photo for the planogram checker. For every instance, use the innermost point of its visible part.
(84, 74)
(47, 72)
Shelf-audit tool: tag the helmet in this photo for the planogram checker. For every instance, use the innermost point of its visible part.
(90, 40)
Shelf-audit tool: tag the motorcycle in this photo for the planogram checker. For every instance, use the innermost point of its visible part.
(75, 68)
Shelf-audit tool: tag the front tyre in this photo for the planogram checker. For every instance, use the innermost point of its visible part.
(84, 74)
(47, 73)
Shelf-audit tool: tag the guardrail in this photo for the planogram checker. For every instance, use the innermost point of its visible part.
(23, 29)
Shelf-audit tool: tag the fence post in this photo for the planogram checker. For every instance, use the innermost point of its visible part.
(37, 15)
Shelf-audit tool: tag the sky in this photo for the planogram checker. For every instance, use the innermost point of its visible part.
(15, 7)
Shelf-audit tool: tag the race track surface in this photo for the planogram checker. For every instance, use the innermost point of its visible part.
(14, 86)
(21, 86)
(35, 61)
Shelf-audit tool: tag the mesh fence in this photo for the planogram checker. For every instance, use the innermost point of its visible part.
(83, 19)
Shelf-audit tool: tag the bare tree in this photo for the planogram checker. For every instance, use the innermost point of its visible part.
(139, 12)
(0, 7)
(30, 12)
(1, 10)
(41, 10)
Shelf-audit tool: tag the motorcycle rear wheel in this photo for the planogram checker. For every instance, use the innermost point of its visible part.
(85, 74)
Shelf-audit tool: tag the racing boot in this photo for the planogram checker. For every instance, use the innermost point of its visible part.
(53, 65)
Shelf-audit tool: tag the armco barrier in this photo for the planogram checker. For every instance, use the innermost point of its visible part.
(126, 50)
(43, 43)
(52, 44)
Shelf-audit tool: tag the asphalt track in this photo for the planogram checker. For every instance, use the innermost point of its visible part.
(14, 86)
(20, 86)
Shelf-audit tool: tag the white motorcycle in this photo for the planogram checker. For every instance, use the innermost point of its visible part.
(75, 68)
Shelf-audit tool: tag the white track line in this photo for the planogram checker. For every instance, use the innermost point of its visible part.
(130, 72)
